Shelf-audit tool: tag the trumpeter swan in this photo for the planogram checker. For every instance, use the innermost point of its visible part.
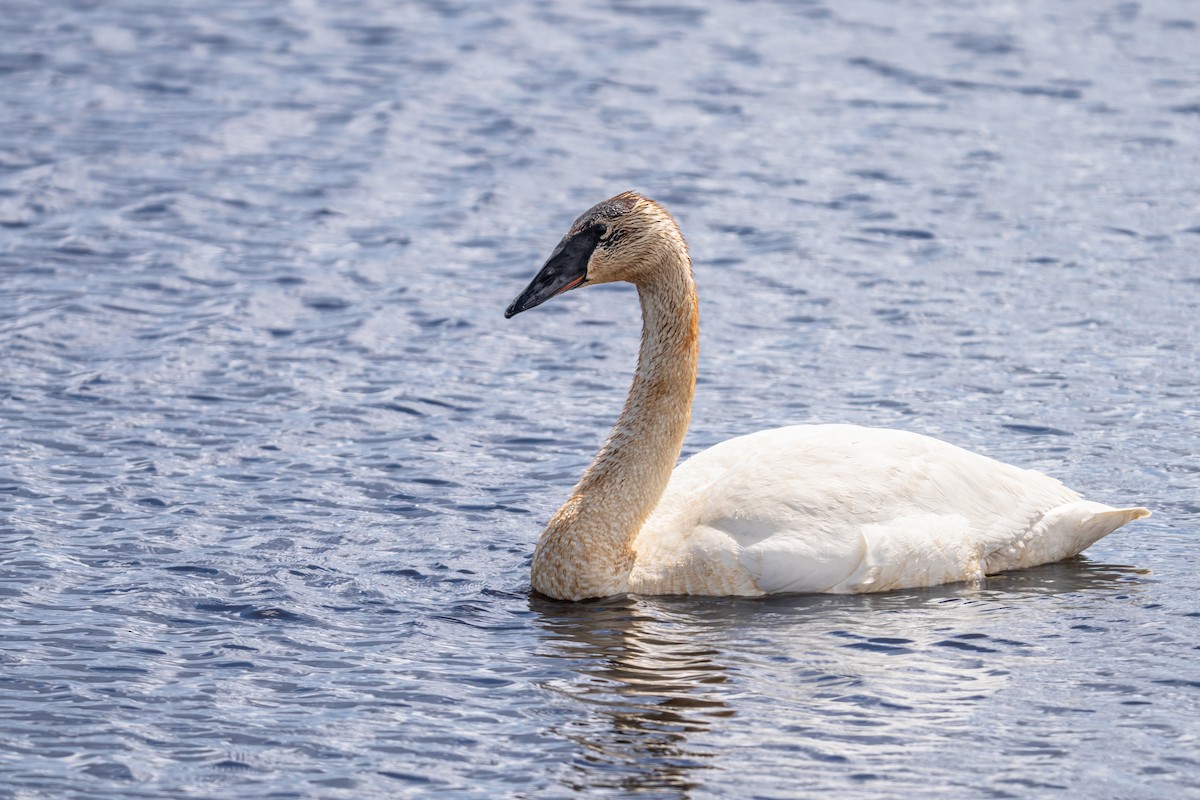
(808, 508)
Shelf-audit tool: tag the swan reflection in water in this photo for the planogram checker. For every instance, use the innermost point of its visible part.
(648, 681)
(825, 682)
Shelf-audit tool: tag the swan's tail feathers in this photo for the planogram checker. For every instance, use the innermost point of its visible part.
(1065, 531)
(1094, 521)
(1123, 515)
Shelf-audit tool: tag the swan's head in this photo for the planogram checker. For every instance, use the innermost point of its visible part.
(622, 239)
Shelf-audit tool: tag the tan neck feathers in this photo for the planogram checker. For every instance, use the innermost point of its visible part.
(586, 549)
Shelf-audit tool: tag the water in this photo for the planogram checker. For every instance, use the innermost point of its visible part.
(274, 462)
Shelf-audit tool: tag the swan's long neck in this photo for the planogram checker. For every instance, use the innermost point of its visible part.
(587, 547)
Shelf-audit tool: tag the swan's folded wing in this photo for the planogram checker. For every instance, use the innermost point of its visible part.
(838, 508)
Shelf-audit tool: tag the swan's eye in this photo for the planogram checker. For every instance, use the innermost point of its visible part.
(610, 236)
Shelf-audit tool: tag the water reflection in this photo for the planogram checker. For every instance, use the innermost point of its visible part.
(648, 681)
(859, 684)
(1079, 574)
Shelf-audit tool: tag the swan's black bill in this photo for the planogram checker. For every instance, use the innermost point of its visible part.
(564, 270)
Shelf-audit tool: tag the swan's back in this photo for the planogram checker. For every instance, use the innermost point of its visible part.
(840, 508)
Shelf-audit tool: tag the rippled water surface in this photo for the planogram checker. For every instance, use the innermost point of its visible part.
(274, 463)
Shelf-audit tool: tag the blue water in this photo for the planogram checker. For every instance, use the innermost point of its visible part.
(274, 463)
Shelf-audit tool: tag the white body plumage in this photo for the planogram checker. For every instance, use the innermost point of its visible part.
(844, 509)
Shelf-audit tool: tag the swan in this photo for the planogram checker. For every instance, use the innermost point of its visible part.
(804, 509)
